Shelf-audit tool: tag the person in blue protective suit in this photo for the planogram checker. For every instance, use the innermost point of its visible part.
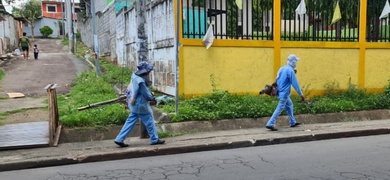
(284, 80)
(138, 97)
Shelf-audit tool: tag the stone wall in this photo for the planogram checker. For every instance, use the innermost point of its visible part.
(122, 38)
(9, 34)
(161, 31)
(105, 29)
(40, 23)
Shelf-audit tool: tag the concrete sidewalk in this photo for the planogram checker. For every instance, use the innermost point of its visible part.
(83, 152)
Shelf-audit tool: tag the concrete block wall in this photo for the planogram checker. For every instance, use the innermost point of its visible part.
(105, 29)
(118, 35)
(120, 38)
(112, 35)
(161, 33)
(100, 5)
(9, 34)
(131, 36)
(85, 28)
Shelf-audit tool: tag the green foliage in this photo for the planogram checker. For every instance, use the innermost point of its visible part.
(168, 134)
(385, 97)
(78, 36)
(88, 89)
(114, 74)
(65, 42)
(223, 105)
(198, 3)
(46, 31)
(232, 19)
(81, 50)
(2, 74)
(30, 11)
(213, 83)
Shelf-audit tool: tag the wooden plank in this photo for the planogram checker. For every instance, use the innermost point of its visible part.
(58, 133)
(15, 95)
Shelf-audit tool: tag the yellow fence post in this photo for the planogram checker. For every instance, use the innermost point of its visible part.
(276, 32)
(362, 43)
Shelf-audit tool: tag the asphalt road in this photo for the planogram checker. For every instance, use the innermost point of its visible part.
(350, 158)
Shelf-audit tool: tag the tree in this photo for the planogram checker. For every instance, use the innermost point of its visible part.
(29, 11)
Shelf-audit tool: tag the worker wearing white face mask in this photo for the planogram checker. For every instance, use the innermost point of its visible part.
(138, 99)
(285, 79)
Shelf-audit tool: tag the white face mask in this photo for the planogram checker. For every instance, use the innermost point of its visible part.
(292, 63)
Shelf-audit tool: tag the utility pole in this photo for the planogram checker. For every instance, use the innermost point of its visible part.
(95, 39)
(69, 21)
(63, 18)
(142, 45)
(142, 39)
(74, 29)
(177, 48)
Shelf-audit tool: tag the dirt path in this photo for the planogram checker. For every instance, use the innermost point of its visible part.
(54, 66)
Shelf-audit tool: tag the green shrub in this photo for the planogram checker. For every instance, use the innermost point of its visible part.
(2, 74)
(78, 36)
(223, 105)
(89, 89)
(46, 31)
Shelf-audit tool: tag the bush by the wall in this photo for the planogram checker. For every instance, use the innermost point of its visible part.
(46, 31)
(223, 105)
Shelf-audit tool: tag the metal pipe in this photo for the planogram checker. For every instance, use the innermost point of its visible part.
(177, 46)
(73, 29)
(69, 22)
(63, 18)
(95, 39)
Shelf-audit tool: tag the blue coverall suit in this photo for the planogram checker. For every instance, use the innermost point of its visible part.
(285, 78)
(138, 91)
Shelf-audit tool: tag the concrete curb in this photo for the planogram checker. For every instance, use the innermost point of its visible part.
(161, 150)
(92, 134)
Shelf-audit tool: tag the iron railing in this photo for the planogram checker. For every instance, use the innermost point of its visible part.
(378, 30)
(316, 24)
(254, 20)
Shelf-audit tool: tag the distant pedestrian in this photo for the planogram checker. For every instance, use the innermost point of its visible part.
(36, 51)
(138, 98)
(24, 43)
(284, 80)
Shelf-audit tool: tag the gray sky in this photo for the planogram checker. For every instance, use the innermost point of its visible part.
(9, 7)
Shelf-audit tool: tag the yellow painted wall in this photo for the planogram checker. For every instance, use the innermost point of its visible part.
(318, 66)
(247, 69)
(245, 66)
(377, 68)
(236, 69)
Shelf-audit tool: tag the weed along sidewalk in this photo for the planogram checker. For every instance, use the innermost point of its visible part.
(167, 129)
(93, 151)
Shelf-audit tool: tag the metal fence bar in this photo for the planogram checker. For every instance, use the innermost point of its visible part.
(255, 20)
(247, 19)
(220, 16)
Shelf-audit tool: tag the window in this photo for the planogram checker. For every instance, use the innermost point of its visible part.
(51, 8)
